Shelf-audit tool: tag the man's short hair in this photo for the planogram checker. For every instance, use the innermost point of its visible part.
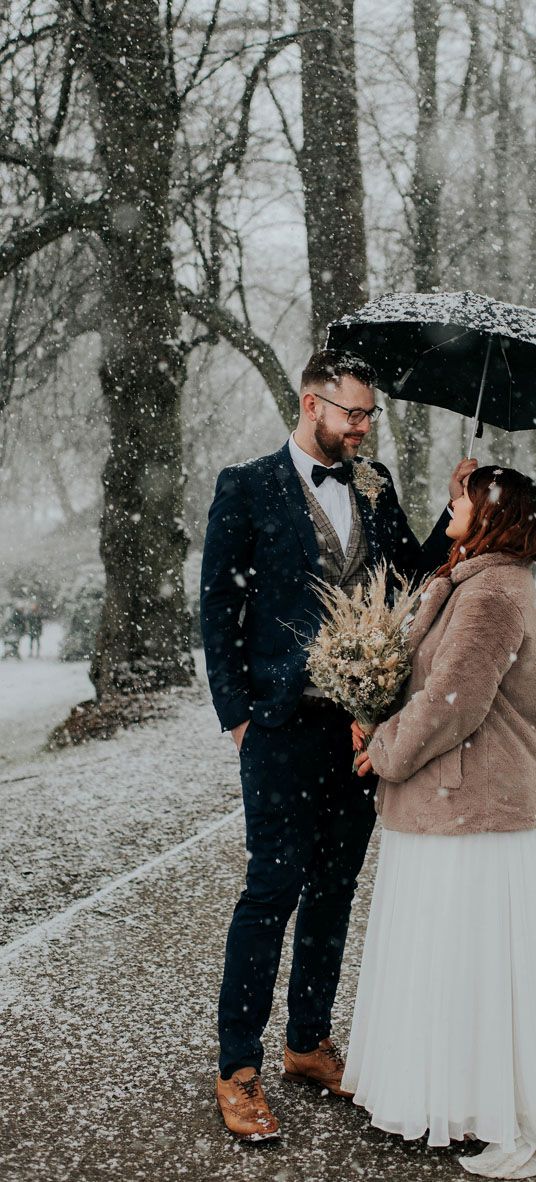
(330, 366)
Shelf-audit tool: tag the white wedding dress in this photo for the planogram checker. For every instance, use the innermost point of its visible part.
(444, 1031)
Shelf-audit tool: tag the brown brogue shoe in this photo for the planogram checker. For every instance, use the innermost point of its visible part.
(323, 1067)
(244, 1107)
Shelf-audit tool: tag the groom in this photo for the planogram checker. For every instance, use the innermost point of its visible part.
(312, 508)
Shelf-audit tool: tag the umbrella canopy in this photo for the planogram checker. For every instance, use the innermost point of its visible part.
(438, 348)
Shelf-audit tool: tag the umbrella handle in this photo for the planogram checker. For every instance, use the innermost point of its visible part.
(480, 397)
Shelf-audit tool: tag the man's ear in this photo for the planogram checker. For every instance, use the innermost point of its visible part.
(307, 399)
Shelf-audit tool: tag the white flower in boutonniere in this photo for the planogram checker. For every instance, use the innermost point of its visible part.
(367, 481)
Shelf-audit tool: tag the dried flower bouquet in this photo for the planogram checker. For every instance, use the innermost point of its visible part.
(360, 656)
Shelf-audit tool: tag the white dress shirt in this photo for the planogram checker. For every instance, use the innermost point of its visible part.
(333, 498)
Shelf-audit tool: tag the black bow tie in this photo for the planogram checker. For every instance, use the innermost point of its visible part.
(343, 473)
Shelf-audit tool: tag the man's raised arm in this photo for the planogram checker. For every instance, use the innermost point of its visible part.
(409, 557)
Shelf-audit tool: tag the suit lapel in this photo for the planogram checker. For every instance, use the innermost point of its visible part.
(298, 509)
(354, 539)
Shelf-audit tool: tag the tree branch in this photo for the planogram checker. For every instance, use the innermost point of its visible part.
(234, 152)
(34, 162)
(284, 123)
(65, 94)
(9, 48)
(201, 57)
(221, 321)
(53, 223)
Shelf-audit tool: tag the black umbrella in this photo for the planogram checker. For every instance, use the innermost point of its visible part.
(458, 350)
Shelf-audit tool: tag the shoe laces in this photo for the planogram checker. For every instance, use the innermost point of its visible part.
(333, 1053)
(250, 1086)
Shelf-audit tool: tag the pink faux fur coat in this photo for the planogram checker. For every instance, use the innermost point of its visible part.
(460, 756)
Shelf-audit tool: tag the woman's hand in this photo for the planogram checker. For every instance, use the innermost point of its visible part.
(359, 736)
(461, 472)
(363, 764)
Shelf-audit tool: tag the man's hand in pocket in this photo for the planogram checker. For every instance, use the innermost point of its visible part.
(238, 733)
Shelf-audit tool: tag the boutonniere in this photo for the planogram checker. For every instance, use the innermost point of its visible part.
(367, 481)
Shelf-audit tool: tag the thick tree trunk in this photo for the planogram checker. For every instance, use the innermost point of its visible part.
(143, 640)
(329, 163)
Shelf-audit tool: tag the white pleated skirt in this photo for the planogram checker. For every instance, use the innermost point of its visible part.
(444, 1031)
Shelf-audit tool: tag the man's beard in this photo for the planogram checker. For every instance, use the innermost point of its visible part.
(336, 447)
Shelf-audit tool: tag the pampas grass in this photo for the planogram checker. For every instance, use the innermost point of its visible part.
(360, 658)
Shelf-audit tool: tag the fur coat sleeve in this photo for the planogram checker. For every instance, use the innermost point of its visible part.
(474, 651)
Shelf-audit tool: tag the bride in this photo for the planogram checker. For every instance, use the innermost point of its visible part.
(444, 1031)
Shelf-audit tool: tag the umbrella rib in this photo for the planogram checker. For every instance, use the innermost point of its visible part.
(509, 371)
(399, 386)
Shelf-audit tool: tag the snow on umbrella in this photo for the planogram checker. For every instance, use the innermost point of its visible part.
(458, 350)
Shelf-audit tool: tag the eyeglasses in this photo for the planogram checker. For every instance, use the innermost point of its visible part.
(354, 417)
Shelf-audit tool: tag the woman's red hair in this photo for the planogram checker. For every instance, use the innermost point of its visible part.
(503, 518)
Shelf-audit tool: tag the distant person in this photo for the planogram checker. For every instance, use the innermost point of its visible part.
(34, 626)
(13, 631)
(313, 508)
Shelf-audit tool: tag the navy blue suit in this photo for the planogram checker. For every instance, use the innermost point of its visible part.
(308, 818)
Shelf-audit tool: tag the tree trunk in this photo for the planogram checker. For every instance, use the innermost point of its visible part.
(414, 453)
(329, 163)
(427, 184)
(143, 640)
(414, 465)
(480, 261)
(502, 443)
(502, 153)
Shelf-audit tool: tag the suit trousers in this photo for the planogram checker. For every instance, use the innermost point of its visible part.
(308, 823)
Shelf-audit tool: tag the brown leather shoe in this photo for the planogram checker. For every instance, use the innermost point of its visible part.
(244, 1107)
(323, 1067)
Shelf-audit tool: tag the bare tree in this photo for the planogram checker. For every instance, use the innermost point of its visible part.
(120, 49)
(144, 631)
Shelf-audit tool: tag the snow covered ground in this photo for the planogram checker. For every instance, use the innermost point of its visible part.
(35, 694)
(122, 861)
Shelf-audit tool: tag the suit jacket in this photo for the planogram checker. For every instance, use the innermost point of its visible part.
(258, 603)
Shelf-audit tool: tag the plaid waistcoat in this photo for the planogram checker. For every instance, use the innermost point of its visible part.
(341, 570)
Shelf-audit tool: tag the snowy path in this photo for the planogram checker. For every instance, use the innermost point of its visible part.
(35, 694)
(125, 859)
(76, 819)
